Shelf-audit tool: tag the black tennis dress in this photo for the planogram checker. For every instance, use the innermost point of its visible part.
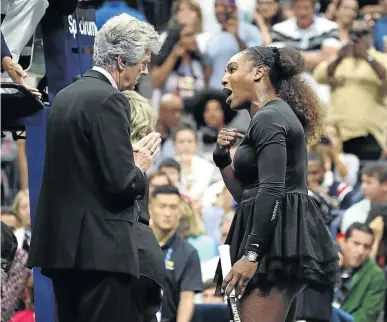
(276, 218)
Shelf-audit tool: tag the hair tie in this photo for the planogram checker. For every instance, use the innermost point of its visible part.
(276, 54)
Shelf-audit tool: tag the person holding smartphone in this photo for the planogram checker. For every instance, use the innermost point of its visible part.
(357, 75)
(235, 35)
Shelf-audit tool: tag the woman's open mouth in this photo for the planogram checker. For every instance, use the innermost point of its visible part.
(228, 92)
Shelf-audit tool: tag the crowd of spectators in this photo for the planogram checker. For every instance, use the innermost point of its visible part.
(344, 45)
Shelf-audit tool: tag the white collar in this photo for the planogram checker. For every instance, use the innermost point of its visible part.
(106, 74)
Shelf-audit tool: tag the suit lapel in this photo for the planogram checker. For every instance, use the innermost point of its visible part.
(95, 74)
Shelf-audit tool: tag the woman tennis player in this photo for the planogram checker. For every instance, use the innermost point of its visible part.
(278, 241)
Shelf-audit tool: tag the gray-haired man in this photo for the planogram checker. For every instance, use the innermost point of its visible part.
(84, 234)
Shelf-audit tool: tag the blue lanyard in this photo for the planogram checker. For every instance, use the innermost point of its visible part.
(168, 255)
(167, 259)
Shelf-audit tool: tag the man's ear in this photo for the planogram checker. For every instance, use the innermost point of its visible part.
(258, 73)
(120, 64)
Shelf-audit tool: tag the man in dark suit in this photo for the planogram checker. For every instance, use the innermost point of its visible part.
(84, 235)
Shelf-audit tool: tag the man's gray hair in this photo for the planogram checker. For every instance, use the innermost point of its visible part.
(124, 36)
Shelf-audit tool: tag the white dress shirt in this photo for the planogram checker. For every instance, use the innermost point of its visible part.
(106, 74)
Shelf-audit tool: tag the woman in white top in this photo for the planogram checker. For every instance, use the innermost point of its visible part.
(196, 172)
(344, 12)
(346, 165)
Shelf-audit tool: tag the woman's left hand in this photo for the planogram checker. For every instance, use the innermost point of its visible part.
(239, 276)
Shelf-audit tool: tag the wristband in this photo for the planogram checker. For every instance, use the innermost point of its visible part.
(221, 158)
(254, 244)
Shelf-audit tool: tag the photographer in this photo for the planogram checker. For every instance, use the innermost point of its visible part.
(338, 194)
(179, 69)
(357, 75)
(344, 166)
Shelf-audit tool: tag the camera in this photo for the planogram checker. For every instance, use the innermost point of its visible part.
(325, 140)
(357, 34)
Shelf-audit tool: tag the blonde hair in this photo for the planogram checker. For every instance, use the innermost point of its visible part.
(190, 221)
(18, 198)
(194, 6)
(142, 116)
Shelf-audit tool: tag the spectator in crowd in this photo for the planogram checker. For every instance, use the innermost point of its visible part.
(339, 193)
(267, 14)
(19, 24)
(211, 113)
(376, 220)
(208, 295)
(13, 285)
(192, 229)
(234, 36)
(361, 289)
(158, 179)
(196, 172)
(170, 117)
(21, 206)
(380, 33)
(183, 278)
(179, 69)
(152, 278)
(316, 37)
(344, 13)
(173, 170)
(245, 9)
(357, 75)
(28, 313)
(345, 165)
(142, 117)
(369, 7)
(374, 186)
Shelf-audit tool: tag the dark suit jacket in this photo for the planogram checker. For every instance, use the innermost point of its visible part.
(150, 254)
(86, 215)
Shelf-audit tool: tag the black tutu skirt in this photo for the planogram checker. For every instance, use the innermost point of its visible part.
(300, 248)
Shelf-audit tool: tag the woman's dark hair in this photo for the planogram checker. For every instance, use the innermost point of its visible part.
(196, 105)
(285, 66)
